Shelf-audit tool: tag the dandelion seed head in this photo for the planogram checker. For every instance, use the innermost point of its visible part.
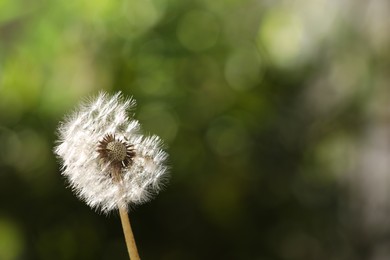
(106, 160)
(115, 152)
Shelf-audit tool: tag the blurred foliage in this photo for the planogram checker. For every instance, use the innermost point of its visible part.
(262, 105)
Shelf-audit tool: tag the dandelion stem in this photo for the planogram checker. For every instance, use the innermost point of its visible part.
(129, 237)
(127, 231)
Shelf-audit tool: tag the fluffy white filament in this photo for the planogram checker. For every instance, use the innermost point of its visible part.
(79, 136)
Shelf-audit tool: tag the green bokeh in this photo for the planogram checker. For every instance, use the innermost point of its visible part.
(266, 109)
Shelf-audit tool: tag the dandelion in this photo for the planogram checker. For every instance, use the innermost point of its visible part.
(108, 163)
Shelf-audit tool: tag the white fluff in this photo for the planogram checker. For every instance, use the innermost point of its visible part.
(79, 135)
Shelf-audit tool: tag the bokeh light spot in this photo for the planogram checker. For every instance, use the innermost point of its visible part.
(140, 15)
(35, 152)
(11, 240)
(282, 35)
(158, 118)
(226, 136)
(198, 30)
(243, 69)
(11, 146)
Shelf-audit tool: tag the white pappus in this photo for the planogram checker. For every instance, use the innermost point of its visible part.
(107, 161)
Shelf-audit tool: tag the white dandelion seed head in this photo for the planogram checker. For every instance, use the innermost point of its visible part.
(98, 142)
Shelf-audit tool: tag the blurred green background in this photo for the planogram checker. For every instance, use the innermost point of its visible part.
(276, 115)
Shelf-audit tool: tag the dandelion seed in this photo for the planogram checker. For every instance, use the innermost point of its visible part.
(107, 161)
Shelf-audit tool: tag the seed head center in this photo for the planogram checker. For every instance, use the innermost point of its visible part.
(116, 151)
(119, 154)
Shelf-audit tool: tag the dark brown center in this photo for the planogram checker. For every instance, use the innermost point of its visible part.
(118, 154)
